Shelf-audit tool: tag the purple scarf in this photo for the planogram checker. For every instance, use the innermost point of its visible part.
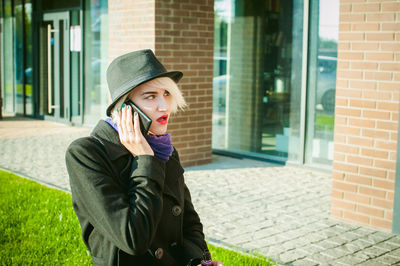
(160, 144)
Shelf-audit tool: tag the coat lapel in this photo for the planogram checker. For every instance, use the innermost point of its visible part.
(173, 185)
(107, 136)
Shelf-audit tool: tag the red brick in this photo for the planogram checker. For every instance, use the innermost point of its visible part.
(370, 7)
(347, 111)
(379, 56)
(374, 153)
(345, 8)
(386, 204)
(356, 179)
(374, 114)
(357, 198)
(350, 55)
(336, 213)
(385, 164)
(355, 74)
(339, 157)
(337, 194)
(344, 27)
(369, 85)
(378, 75)
(357, 141)
(347, 130)
(380, 17)
(357, 217)
(390, 26)
(390, 66)
(385, 125)
(351, 93)
(347, 168)
(376, 193)
(370, 211)
(386, 145)
(340, 102)
(384, 184)
(363, 103)
(338, 175)
(388, 86)
(380, 37)
(365, 27)
(364, 65)
(343, 46)
(364, 46)
(377, 95)
(351, 18)
(390, 46)
(394, 6)
(372, 172)
(343, 205)
(380, 223)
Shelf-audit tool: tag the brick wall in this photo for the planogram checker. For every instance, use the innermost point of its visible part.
(131, 26)
(184, 41)
(366, 115)
(181, 35)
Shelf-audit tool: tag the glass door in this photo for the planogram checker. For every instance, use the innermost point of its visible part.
(54, 67)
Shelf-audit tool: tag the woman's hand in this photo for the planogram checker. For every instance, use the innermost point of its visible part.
(129, 133)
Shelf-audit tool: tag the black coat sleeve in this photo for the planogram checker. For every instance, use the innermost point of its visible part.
(128, 220)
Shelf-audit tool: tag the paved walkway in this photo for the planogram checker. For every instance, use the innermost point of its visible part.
(277, 211)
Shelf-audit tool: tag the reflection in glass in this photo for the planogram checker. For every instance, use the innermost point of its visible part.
(96, 60)
(8, 99)
(324, 23)
(19, 55)
(29, 107)
(257, 77)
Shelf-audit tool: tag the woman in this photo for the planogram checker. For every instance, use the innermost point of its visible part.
(128, 189)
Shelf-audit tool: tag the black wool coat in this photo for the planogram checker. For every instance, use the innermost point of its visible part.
(133, 210)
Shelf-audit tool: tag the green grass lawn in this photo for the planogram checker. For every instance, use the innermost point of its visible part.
(39, 227)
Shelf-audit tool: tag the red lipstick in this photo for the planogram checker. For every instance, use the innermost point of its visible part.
(163, 119)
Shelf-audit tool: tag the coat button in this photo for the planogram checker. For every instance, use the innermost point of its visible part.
(176, 210)
(159, 253)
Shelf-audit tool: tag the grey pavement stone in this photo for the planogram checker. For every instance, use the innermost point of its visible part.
(387, 246)
(348, 260)
(337, 252)
(304, 262)
(387, 259)
(292, 255)
(395, 253)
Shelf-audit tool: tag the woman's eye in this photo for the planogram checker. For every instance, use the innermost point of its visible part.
(166, 93)
(151, 97)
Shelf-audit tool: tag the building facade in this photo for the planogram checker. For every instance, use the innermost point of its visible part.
(312, 83)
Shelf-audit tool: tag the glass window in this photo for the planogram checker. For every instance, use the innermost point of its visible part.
(324, 22)
(257, 77)
(96, 60)
(19, 55)
(9, 87)
(29, 104)
(75, 62)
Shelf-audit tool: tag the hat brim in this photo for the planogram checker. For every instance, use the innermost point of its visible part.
(128, 87)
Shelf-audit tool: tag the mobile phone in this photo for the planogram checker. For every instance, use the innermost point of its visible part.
(145, 121)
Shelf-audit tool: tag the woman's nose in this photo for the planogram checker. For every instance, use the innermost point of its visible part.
(162, 104)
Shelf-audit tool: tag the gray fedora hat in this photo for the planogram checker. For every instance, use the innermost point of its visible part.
(128, 71)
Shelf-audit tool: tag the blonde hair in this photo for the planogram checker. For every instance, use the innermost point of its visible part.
(178, 102)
